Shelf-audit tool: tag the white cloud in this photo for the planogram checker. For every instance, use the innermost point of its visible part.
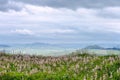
(60, 31)
(22, 31)
(45, 21)
(109, 12)
(40, 9)
(113, 10)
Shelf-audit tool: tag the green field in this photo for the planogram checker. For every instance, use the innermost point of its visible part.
(76, 66)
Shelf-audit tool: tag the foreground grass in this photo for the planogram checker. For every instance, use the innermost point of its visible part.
(73, 67)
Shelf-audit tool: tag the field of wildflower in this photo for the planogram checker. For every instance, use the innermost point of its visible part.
(76, 66)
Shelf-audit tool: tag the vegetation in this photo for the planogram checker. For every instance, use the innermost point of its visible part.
(76, 66)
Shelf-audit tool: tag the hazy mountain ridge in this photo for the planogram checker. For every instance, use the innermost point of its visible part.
(47, 45)
(101, 48)
(94, 47)
(4, 46)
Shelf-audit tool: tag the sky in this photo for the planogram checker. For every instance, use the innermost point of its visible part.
(60, 21)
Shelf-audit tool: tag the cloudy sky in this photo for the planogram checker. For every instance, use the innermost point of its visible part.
(60, 21)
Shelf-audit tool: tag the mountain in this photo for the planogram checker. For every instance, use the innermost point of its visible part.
(101, 48)
(94, 47)
(4, 46)
(37, 44)
(114, 48)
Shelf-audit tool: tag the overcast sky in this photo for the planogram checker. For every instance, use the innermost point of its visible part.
(60, 21)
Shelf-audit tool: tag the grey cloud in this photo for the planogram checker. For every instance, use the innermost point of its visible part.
(6, 5)
(110, 12)
(3, 1)
(3, 4)
(73, 4)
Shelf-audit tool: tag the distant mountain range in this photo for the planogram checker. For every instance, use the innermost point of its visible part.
(94, 47)
(114, 48)
(38, 44)
(101, 48)
(47, 45)
(4, 46)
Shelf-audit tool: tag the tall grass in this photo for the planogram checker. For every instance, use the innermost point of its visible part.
(77, 66)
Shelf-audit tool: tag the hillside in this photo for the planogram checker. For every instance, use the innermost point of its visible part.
(71, 67)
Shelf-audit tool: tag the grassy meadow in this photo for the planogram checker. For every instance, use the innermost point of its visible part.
(75, 66)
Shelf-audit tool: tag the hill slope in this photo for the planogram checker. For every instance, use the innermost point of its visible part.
(72, 67)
